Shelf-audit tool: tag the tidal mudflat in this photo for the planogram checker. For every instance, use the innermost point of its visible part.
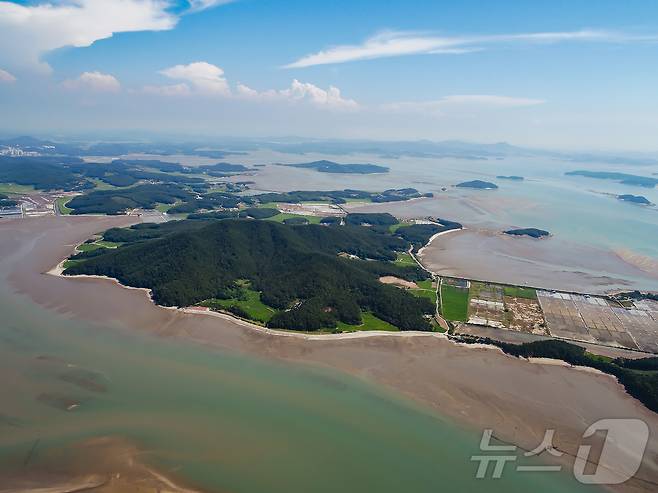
(221, 407)
(549, 263)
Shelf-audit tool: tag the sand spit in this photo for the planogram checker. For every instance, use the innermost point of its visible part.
(476, 387)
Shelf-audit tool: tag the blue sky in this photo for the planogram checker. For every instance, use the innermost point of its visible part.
(563, 74)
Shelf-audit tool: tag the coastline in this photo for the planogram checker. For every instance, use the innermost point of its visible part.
(473, 386)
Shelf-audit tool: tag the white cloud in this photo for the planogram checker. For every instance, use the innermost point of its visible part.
(169, 90)
(463, 101)
(204, 77)
(399, 43)
(330, 98)
(199, 5)
(93, 81)
(40, 27)
(6, 76)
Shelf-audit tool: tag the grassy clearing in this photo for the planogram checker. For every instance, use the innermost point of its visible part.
(519, 292)
(101, 185)
(14, 188)
(425, 290)
(404, 259)
(279, 218)
(71, 263)
(251, 305)
(394, 227)
(60, 203)
(454, 303)
(165, 207)
(89, 247)
(108, 244)
(268, 205)
(369, 322)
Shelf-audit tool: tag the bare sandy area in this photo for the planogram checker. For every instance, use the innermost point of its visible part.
(476, 387)
(396, 281)
(548, 263)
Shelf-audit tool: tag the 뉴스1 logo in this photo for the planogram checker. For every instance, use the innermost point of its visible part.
(619, 457)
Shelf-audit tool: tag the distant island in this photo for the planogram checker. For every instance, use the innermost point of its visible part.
(532, 232)
(635, 199)
(478, 184)
(624, 178)
(325, 166)
(510, 177)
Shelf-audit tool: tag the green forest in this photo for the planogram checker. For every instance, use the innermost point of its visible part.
(297, 270)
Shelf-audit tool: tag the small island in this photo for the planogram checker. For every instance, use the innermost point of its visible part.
(510, 177)
(325, 166)
(531, 232)
(478, 184)
(635, 199)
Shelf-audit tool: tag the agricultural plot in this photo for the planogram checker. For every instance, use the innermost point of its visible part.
(454, 300)
(505, 307)
(633, 325)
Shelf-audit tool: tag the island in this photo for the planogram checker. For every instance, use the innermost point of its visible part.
(510, 177)
(325, 166)
(532, 232)
(297, 277)
(624, 178)
(635, 199)
(477, 184)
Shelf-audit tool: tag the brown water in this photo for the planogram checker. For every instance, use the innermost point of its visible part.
(238, 415)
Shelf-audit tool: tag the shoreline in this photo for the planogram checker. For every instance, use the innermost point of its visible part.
(473, 387)
(434, 237)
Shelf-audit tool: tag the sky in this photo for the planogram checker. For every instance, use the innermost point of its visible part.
(578, 74)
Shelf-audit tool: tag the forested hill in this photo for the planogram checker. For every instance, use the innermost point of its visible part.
(297, 270)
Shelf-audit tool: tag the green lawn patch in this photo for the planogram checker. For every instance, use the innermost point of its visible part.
(454, 303)
(279, 218)
(60, 203)
(369, 322)
(404, 259)
(251, 305)
(425, 289)
(71, 263)
(14, 188)
(89, 247)
(520, 292)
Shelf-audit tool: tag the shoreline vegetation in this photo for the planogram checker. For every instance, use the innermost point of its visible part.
(639, 379)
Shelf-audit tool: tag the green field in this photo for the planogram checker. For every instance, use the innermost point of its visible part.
(425, 290)
(454, 303)
(60, 203)
(279, 218)
(519, 292)
(101, 185)
(404, 259)
(88, 247)
(71, 263)
(369, 322)
(14, 188)
(252, 305)
(166, 207)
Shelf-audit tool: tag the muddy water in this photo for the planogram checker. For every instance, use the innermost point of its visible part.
(240, 416)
